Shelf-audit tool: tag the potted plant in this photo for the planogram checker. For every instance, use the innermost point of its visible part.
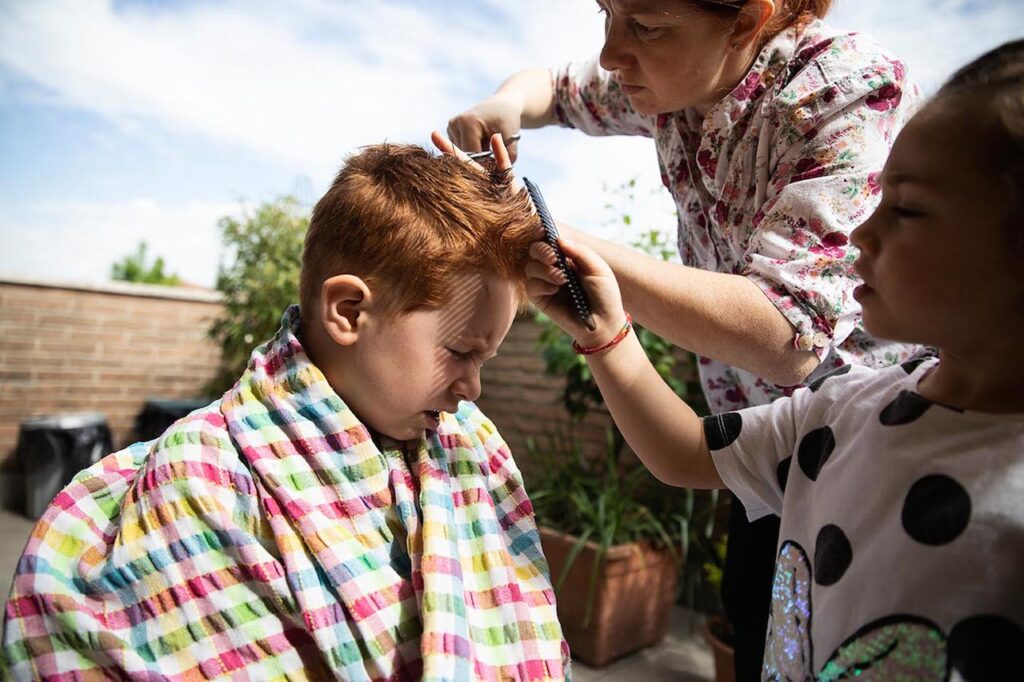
(613, 563)
(717, 630)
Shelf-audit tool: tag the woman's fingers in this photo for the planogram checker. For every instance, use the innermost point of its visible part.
(468, 135)
(445, 146)
(502, 159)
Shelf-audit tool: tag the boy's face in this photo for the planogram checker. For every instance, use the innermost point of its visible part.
(934, 253)
(404, 370)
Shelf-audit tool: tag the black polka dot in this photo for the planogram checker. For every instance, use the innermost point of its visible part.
(936, 510)
(907, 407)
(722, 429)
(839, 371)
(832, 555)
(985, 647)
(782, 472)
(814, 451)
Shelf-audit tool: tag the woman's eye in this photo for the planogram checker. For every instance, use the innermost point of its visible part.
(460, 355)
(644, 32)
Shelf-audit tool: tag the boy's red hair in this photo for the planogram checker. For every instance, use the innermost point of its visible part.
(408, 222)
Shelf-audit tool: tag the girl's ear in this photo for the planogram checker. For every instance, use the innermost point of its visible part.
(344, 299)
(751, 21)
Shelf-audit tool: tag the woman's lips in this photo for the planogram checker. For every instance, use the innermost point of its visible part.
(630, 89)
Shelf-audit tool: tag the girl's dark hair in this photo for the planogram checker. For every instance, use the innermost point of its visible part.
(995, 82)
(787, 13)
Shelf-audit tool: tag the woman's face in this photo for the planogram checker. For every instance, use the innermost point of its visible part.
(666, 55)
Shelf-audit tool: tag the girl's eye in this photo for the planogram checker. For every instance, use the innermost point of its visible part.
(906, 213)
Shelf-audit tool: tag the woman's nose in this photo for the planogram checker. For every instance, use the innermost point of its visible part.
(613, 53)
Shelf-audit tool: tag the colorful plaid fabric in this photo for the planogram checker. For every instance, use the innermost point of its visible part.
(267, 537)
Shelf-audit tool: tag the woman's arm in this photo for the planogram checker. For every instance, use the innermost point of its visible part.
(524, 100)
(722, 316)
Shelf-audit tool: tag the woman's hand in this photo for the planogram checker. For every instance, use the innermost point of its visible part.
(544, 287)
(472, 129)
(502, 160)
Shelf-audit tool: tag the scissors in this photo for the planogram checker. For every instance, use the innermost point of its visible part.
(488, 152)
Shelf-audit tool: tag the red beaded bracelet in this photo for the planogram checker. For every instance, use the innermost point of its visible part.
(614, 342)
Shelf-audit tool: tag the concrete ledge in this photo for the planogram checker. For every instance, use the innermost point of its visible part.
(121, 289)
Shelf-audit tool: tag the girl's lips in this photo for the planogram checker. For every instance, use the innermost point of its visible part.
(861, 291)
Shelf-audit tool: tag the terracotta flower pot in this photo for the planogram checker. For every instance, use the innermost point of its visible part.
(635, 590)
(725, 665)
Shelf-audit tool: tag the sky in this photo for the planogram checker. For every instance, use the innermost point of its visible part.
(140, 120)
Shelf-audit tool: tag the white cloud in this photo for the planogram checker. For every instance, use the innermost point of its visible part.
(301, 83)
(934, 37)
(79, 241)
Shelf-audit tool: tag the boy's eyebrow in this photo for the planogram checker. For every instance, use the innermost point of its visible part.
(478, 346)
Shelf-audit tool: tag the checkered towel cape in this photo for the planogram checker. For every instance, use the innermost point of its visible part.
(267, 537)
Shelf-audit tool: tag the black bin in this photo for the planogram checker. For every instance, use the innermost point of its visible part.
(52, 449)
(157, 415)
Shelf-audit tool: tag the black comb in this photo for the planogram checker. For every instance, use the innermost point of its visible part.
(579, 299)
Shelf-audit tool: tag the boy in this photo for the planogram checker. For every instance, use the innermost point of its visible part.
(344, 510)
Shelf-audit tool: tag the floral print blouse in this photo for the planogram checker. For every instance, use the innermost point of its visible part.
(770, 183)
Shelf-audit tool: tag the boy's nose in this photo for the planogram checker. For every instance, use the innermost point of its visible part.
(467, 386)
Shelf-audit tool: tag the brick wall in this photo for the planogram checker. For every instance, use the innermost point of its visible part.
(107, 348)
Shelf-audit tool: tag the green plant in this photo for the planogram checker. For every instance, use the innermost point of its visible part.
(135, 268)
(260, 280)
(595, 501)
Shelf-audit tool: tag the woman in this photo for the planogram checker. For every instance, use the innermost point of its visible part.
(770, 128)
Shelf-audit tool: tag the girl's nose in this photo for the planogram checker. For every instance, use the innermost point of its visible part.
(863, 236)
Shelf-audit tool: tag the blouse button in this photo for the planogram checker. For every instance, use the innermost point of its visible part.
(820, 340)
(805, 342)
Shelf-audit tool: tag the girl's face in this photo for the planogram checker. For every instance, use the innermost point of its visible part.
(934, 254)
(666, 54)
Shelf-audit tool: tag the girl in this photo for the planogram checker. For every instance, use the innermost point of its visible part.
(900, 490)
(769, 127)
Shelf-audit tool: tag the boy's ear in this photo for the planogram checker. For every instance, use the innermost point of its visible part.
(344, 300)
(752, 18)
